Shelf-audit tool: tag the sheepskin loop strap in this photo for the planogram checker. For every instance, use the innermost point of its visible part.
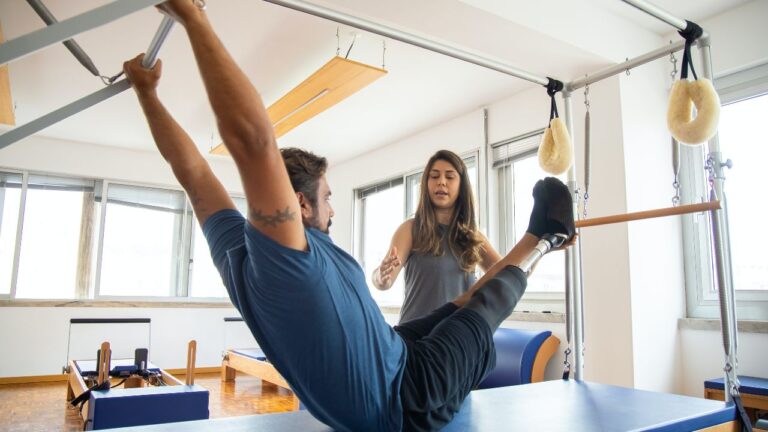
(690, 34)
(553, 86)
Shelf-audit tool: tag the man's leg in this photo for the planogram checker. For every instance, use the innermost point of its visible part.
(551, 225)
(416, 329)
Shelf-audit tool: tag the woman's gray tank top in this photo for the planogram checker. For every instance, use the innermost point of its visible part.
(432, 281)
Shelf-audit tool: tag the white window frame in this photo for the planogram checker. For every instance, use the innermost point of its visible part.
(701, 300)
(178, 293)
(501, 153)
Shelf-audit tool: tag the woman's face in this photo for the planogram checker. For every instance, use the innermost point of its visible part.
(443, 184)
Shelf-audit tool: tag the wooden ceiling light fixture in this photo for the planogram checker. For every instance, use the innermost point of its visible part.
(332, 83)
(6, 102)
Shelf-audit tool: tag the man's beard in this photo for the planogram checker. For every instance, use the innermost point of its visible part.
(315, 223)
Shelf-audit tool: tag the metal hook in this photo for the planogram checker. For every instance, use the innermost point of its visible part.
(586, 92)
(338, 47)
(626, 59)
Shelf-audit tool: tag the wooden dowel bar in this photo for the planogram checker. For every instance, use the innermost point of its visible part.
(191, 353)
(648, 214)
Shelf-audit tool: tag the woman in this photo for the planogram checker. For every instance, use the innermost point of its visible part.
(441, 246)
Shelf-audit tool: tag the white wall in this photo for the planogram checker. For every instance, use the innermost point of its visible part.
(656, 261)
(38, 343)
(88, 160)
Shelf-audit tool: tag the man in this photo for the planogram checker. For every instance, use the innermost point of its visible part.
(306, 300)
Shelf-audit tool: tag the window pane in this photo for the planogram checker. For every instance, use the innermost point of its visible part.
(742, 141)
(205, 280)
(515, 209)
(50, 240)
(382, 214)
(10, 200)
(141, 246)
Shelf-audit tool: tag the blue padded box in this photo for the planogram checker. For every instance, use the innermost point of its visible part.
(749, 385)
(515, 354)
(146, 406)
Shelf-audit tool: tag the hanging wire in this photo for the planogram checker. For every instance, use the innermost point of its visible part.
(354, 39)
(383, 53)
(338, 49)
(587, 148)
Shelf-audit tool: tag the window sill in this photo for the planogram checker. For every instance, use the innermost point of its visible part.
(547, 317)
(117, 303)
(744, 326)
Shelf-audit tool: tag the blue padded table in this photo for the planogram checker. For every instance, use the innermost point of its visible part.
(546, 406)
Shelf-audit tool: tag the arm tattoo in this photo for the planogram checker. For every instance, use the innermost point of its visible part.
(272, 221)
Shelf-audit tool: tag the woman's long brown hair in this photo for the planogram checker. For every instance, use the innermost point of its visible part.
(463, 238)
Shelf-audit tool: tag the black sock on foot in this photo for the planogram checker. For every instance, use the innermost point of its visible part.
(537, 224)
(552, 209)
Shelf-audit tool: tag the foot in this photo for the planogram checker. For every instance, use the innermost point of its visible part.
(552, 212)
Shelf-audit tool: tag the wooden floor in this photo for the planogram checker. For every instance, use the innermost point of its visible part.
(42, 406)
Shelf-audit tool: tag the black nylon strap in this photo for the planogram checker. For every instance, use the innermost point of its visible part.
(84, 396)
(553, 86)
(691, 33)
(746, 423)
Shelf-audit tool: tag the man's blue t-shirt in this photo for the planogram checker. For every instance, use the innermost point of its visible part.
(313, 316)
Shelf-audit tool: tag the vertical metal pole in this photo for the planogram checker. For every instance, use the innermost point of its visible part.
(574, 285)
(722, 247)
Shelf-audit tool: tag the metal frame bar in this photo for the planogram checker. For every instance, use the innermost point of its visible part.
(409, 38)
(64, 30)
(658, 13)
(722, 249)
(623, 67)
(721, 240)
(53, 117)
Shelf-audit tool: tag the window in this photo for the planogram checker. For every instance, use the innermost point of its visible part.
(142, 251)
(381, 209)
(204, 279)
(516, 171)
(51, 242)
(10, 204)
(70, 238)
(745, 105)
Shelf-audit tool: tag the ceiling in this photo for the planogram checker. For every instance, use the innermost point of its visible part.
(278, 48)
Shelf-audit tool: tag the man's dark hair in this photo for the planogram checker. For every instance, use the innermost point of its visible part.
(305, 169)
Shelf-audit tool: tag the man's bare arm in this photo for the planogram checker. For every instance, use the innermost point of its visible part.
(245, 129)
(205, 192)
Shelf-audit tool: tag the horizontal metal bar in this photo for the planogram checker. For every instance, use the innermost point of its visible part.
(68, 28)
(92, 99)
(53, 117)
(409, 38)
(657, 12)
(622, 67)
(110, 320)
